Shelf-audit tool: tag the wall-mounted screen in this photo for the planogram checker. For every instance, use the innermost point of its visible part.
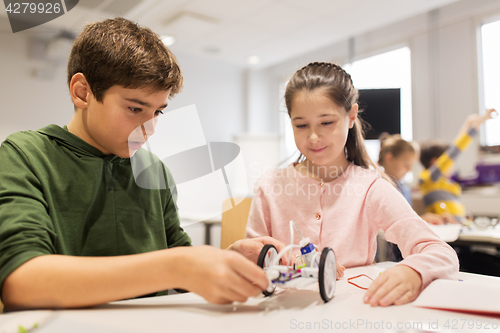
(382, 110)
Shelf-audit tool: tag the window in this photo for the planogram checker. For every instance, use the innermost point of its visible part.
(490, 53)
(289, 152)
(387, 70)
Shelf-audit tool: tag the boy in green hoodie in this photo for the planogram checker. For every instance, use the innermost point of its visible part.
(75, 228)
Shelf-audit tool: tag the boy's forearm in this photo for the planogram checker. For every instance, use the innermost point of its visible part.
(474, 121)
(57, 281)
(445, 162)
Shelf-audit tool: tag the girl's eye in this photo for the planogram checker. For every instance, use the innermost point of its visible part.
(135, 110)
(158, 112)
(300, 126)
(328, 123)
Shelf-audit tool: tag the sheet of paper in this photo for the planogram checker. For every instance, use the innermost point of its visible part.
(474, 296)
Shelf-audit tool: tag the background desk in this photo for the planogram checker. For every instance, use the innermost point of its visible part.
(487, 237)
(478, 250)
(190, 222)
(482, 200)
(288, 311)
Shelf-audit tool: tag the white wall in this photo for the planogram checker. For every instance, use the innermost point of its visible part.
(444, 67)
(217, 90)
(29, 102)
(262, 100)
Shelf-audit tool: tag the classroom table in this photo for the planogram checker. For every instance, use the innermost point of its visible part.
(482, 200)
(189, 219)
(472, 235)
(286, 311)
(487, 237)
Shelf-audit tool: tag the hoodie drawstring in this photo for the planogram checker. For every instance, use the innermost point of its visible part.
(111, 175)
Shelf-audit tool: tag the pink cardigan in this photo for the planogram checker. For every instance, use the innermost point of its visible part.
(346, 215)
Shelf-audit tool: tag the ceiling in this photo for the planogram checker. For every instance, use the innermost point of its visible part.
(234, 30)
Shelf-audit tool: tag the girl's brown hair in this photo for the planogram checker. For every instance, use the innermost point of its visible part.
(396, 146)
(337, 85)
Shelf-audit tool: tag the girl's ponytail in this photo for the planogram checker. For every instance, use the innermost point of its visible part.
(355, 148)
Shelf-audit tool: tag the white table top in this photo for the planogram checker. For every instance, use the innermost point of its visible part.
(491, 235)
(286, 311)
(453, 232)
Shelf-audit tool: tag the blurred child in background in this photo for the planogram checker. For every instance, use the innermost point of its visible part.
(441, 195)
(398, 156)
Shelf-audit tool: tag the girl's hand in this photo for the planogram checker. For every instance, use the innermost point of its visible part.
(397, 285)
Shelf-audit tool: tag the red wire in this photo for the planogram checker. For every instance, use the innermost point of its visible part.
(357, 276)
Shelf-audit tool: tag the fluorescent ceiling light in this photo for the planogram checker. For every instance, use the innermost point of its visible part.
(253, 60)
(168, 40)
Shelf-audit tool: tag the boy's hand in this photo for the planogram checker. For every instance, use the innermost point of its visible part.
(251, 247)
(475, 120)
(445, 218)
(221, 276)
(448, 218)
(397, 285)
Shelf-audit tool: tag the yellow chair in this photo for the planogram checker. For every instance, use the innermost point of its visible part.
(234, 220)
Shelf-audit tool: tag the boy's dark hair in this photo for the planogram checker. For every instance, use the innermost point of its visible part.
(431, 149)
(120, 52)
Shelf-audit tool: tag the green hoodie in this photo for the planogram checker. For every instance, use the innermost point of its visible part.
(60, 195)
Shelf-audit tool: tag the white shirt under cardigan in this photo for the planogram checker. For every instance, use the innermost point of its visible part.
(346, 215)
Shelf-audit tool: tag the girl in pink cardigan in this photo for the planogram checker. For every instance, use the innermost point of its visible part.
(339, 198)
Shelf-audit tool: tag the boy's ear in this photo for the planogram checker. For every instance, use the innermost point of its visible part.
(79, 90)
(353, 114)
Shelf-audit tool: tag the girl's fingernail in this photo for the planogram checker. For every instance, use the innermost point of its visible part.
(366, 299)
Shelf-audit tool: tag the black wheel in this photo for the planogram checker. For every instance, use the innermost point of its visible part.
(327, 275)
(266, 256)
